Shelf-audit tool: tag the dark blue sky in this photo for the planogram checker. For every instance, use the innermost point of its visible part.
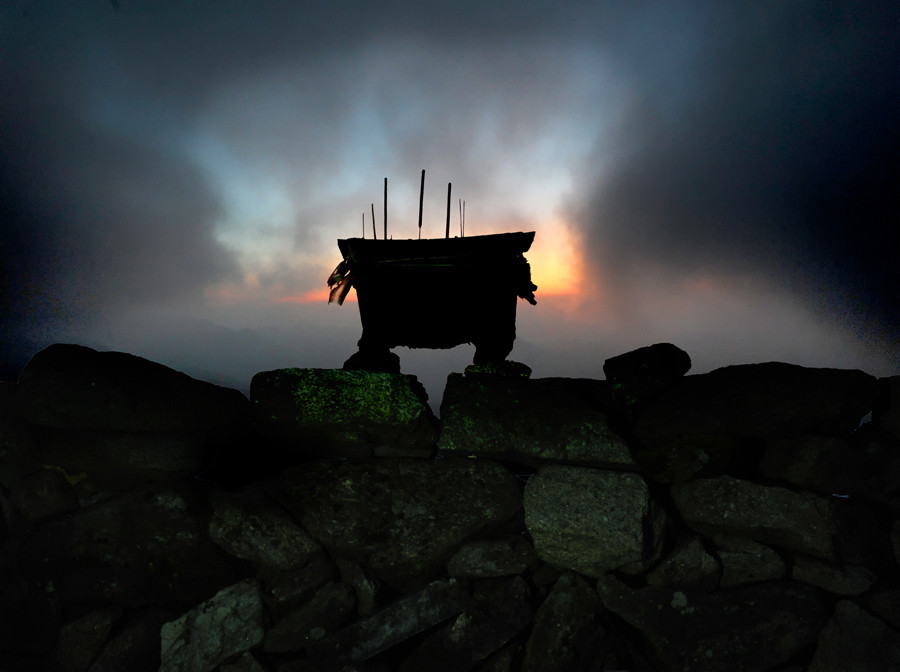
(724, 176)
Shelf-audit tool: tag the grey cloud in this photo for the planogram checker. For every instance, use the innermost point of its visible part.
(770, 149)
(756, 142)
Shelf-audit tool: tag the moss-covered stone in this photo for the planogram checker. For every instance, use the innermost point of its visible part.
(530, 421)
(334, 411)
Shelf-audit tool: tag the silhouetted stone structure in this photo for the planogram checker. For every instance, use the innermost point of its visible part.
(741, 519)
(435, 293)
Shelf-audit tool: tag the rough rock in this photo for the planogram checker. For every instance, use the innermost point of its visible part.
(108, 531)
(338, 412)
(136, 645)
(145, 546)
(855, 641)
(493, 558)
(564, 627)
(397, 622)
(227, 624)
(43, 495)
(17, 454)
(80, 640)
(286, 590)
(530, 420)
(365, 589)
(498, 610)
(705, 425)
(830, 465)
(689, 565)
(886, 605)
(400, 519)
(895, 540)
(752, 629)
(886, 415)
(29, 624)
(330, 607)
(798, 521)
(95, 461)
(745, 561)
(640, 375)
(591, 520)
(845, 580)
(249, 526)
(245, 663)
(74, 387)
(500, 661)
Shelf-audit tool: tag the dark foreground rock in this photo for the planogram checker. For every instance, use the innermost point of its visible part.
(74, 387)
(757, 527)
(112, 421)
(227, 624)
(402, 518)
(639, 376)
(710, 424)
(754, 628)
(146, 546)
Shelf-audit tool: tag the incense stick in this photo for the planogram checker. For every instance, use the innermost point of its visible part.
(447, 228)
(421, 197)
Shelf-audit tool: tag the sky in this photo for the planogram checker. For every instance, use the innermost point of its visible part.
(722, 176)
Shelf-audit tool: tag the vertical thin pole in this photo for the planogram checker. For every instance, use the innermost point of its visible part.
(364, 224)
(385, 208)
(374, 235)
(447, 228)
(460, 218)
(421, 197)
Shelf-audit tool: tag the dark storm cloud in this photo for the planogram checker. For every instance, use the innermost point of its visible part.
(757, 139)
(94, 220)
(753, 139)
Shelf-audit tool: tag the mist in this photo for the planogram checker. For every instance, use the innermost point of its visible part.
(720, 176)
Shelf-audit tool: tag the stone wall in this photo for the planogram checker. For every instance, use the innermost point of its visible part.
(744, 519)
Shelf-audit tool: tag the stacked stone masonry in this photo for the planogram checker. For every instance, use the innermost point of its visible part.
(743, 519)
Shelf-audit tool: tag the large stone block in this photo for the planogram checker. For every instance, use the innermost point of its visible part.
(75, 387)
(592, 521)
(752, 629)
(330, 607)
(853, 640)
(745, 561)
(145, 546)
(887, 412)
(106, 461)
(564, 628)
(705, 424)
(17, 450)
(493, 558)
(638, 376)
(530, 421)
(227, 624)
(401, 518)
(395, 623)
(497, 611)
(333, 411)
(828, 465)
(797, 521)
(135, 644)
(688, 565)
(251, 527)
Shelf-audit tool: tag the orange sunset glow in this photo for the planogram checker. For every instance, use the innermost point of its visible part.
(555, 269)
